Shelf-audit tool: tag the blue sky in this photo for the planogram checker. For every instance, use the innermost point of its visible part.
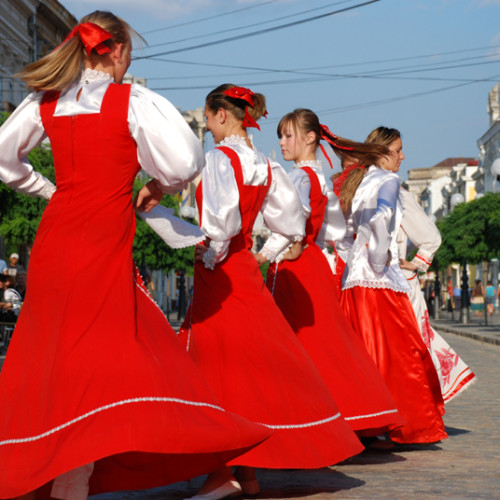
(422, 66)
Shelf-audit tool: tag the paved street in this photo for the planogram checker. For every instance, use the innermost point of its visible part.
(467, 465)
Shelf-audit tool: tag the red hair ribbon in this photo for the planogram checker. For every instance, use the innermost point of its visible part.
(240, 93)
(339, 181)
(249, 121)
(330, 137)
(92, 37)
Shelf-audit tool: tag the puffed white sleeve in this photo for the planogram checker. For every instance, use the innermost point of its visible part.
(220, 215)
(421, 231)
(381, 223)
(283, 215)
(167, 148)
(23, 131)
(302, 183)
(334, 224)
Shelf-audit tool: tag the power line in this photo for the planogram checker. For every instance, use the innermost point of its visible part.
(380, 72)
(215, 16)
(194, 37)
(306, 69)
(352, 107)
(314, 78)
(259, 32)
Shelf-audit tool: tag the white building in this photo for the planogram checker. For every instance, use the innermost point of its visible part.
(435, 186)
(489, 143)
(29, 29)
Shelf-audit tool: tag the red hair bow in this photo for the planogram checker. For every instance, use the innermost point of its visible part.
(249, 121)
(240, 93)
(92, 37)
(328, 136)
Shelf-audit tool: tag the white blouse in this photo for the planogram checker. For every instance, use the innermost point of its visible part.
(167, 149)
(372, 225)
(221, 218)
(417, 227)
(334, 226)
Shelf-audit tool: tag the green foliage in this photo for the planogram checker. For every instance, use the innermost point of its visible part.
(470, 232)
(151, 251)
(20, 216)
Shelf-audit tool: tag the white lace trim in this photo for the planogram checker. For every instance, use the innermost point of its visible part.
(93, 75)
(303, 426)
(374, 284)
(309, 163)
(233, 140)
(108, 407)
(213, 254)
(47, 191)
(269, 254)
(371, 415)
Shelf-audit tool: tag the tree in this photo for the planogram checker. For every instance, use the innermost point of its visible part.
(20, 217)
(470, 232)
(151, 249)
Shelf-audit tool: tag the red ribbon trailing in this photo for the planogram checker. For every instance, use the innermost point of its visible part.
(328, 136)
(249, 121)
(92, 37)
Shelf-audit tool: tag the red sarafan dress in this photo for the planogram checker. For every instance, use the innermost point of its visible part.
(304, 290)
(94, 372)
(250, 356)
(375, 301)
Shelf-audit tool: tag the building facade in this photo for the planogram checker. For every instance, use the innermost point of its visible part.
(29, 29)
(489, 143)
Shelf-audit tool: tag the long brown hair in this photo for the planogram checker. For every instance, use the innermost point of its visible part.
(216, 99)
(346, 150)
(64, 65)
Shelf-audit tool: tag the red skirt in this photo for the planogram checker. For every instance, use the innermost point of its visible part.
(257, 368)
(304, 290)
(385, 321)
(118, 390)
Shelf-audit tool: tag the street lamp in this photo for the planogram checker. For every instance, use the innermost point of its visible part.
(456, 199)
(464, 296)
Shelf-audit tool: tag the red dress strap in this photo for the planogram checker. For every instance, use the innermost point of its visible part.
(116, 102)
(48, 107)
(251, 199)
(318, 203)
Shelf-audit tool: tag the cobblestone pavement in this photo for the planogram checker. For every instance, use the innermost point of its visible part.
(467, 465)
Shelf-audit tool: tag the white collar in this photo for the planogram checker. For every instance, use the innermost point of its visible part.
(309, 163)
(234, 140)
(93, 75)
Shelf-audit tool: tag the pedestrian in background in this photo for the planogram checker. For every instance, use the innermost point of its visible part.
(478, 298)
(490, 298)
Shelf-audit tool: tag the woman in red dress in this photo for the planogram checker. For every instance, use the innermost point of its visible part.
(234, 331)
(304, 288)
(375, 300)
(96, 390)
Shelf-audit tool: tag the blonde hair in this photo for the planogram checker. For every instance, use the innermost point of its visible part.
(307, 121)
(383, 135)
(64, 65)
(216, 99)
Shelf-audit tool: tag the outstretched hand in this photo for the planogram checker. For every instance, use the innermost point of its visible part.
(148, 197)
(404, 264)
(295, 251)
